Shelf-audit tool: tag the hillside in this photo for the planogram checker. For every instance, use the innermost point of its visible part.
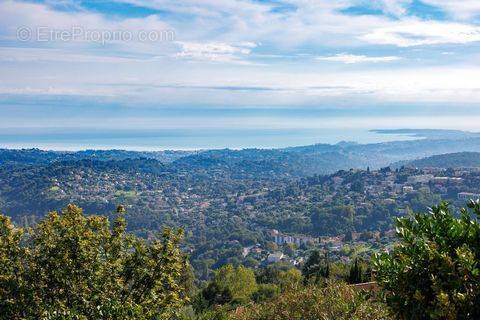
(449, 160)
(294, 162)
(225, 205)
(229, 200)
(42, 157)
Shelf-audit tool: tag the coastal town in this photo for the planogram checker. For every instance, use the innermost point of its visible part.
(270, 219)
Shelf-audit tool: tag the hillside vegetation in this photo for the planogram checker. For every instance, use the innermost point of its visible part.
(449, 160)
(72, 266)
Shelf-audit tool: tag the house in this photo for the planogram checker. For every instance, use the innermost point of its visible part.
(468, 196)
(275, 257)
(280, 238)
(423, 178)
(444, 180)
(440, 180)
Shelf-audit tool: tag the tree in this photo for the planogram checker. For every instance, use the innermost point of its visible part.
(358, 186)
(348, 236)
(265, 292)
(13, 291)
(72, 266)
(285, 277)
(356, 273)
(316, 268)
(214, 295)
(292, 278)
(289, 249)
(240, 281)
(230, 286)
(434, 271)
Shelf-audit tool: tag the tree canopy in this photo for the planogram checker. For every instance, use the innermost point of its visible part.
(73, 266)
(434, 272)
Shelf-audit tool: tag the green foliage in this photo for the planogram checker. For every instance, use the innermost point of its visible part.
(289, 249)
(240, 281)
(13, 293)
(281, 277)
(356, 273)
(449, 160)
(265, 292)
(231, 285)
(290, 279)
(316, 268)
(213, 295)
(335, 301)
(225, 200)
(332, 219)
(75, 267)
(434, 272)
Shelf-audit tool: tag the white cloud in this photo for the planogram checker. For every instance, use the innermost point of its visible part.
(37, 17)
(396, 7)
(233, 21)
(352, 59)
(391, 7)
(412, 32)
(461, 9)
(215, 51)
(22, 55)
(52, 91)
(229, 32)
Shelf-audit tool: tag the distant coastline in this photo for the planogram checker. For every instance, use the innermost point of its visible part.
(429, 133)
(76, 139)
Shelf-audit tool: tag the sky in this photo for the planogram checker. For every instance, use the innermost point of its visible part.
(240, 63)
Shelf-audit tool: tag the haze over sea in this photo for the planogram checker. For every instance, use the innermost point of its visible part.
(183, 139)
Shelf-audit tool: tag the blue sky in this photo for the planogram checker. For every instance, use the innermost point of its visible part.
(240, 63)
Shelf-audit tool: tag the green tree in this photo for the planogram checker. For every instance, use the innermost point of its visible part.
(73, 266)
(434, 271)
(348, 236)
(285, 277)
(213, 295)
(13, 290)
(290, 279)
(265, 292)
(240, 281)
(316, 268)
(356, 274)
(230, 286)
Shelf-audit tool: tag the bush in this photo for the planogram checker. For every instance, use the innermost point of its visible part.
(434, 271)
(335, 301)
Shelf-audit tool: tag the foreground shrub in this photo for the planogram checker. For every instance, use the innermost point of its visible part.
(75, 267)
(335, 301)
(230, 286)
(434, 272)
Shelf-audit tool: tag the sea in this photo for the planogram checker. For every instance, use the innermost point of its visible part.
(73, 139)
